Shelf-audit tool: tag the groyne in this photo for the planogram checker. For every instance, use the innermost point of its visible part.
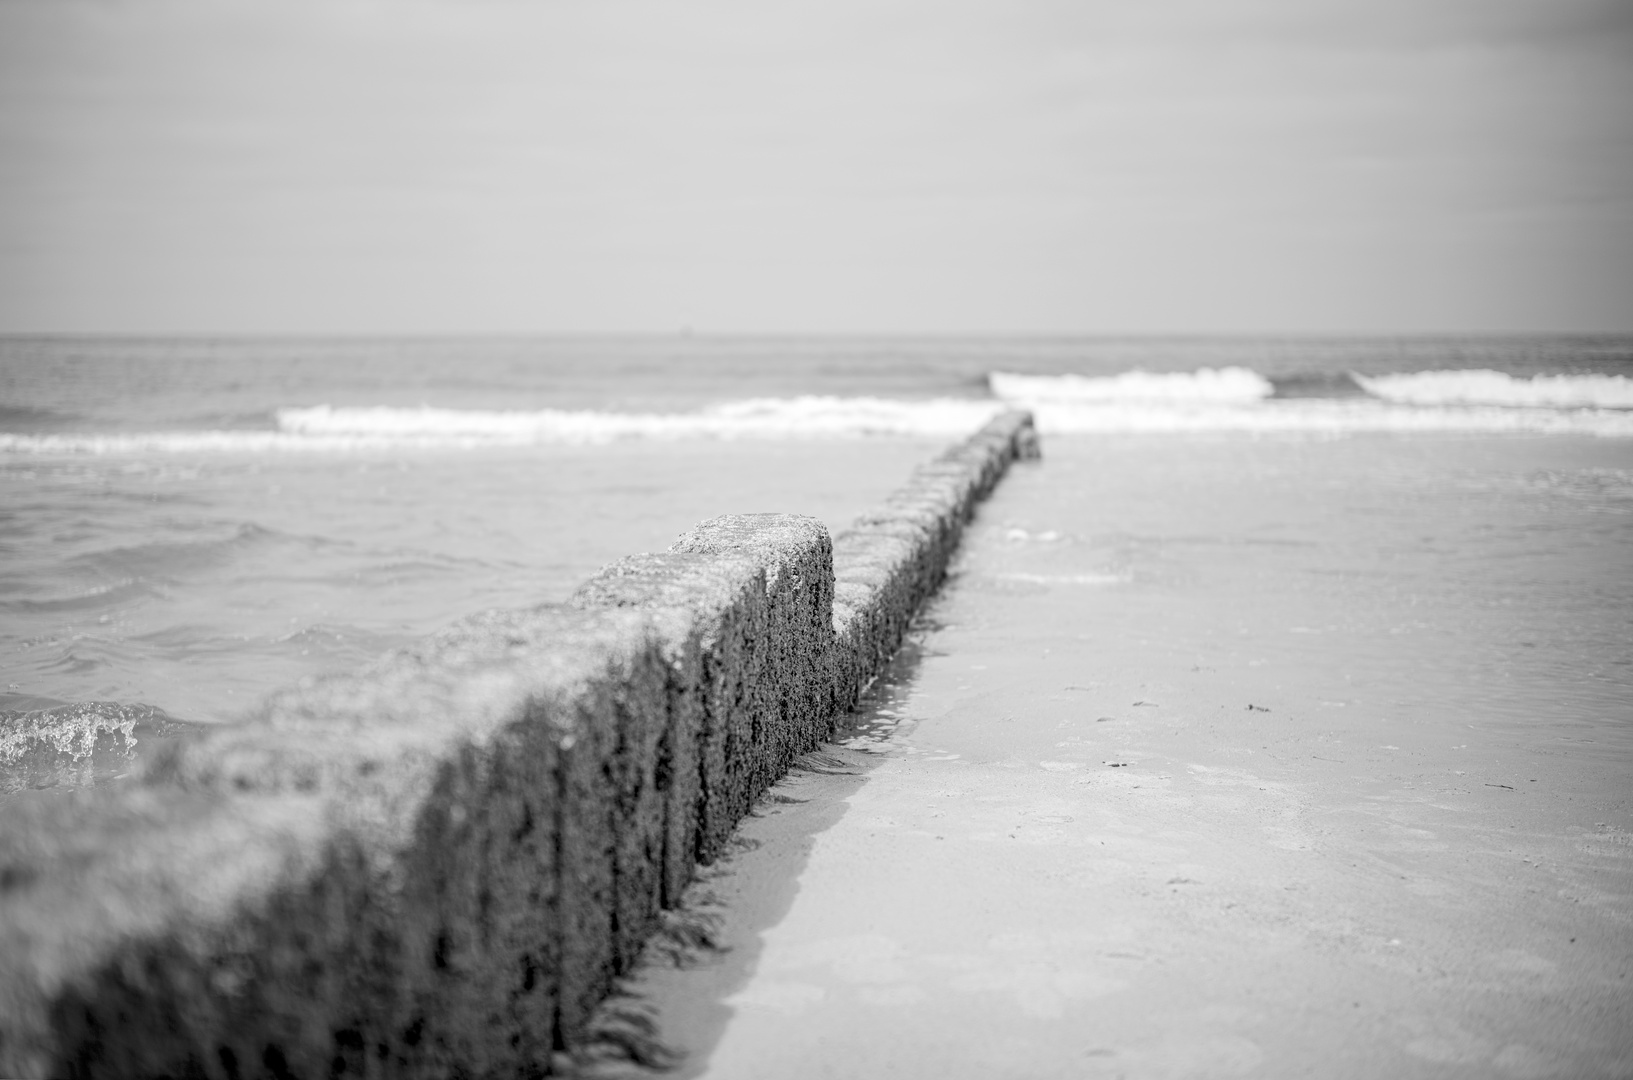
(438, 865)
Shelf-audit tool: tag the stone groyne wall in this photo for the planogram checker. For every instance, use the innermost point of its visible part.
(438, 865)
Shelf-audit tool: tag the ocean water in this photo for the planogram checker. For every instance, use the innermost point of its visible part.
(186, 525)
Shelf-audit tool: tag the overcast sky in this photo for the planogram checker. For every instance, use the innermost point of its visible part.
(938, 166)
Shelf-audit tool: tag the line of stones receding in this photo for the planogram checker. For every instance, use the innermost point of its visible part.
(437, 866)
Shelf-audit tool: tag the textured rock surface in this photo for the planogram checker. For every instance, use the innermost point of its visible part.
(711, 614)
(893, 558)
(436, 866)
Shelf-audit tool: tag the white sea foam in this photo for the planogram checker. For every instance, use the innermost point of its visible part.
(1235, 399)
(180, 442)
(1208, 400)
(1482, 387)
(751, 418)
(166, 442)
(324, 428)
(1231, 385)
(1319, 417)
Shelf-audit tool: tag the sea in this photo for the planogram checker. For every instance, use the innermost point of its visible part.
(188, 524)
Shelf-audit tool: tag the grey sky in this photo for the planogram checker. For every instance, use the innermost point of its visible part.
(844, 165)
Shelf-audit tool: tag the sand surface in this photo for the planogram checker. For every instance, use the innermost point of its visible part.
(1264, 777)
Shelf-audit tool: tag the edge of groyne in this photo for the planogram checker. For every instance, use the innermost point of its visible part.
(437, 865)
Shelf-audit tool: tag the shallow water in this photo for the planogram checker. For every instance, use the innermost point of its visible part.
(199, 584)
(1436, 580)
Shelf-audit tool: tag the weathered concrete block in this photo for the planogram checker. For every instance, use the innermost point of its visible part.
(116, 945)
(791, 700)
(480, 857)
(893, 558)
(710, 612)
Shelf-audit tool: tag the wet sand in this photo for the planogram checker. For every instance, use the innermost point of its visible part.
(1296, 770)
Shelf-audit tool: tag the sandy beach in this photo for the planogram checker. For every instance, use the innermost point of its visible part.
(1253, 757)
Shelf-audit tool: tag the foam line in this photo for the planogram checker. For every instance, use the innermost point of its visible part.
(1326, 418)
(1233, 385)
(1207, 400)
(325, 429)
(1483, 387)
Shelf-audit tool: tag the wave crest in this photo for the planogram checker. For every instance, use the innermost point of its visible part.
(77, 744)
(749, 418)
(1484, 387)
(1231, 385)
(73, 728)
(1327, 418)
(326, 428)
(1208, 399)
(1236, 399)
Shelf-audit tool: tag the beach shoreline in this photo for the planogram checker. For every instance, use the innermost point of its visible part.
(1105, 820)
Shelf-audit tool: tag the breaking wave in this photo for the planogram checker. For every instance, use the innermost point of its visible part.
(1236, 399)
(1222, 386)
(1327, 418)
(1483, 387)
(325, 428)
(751, 418)
(76, 744)
(1208, 399)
